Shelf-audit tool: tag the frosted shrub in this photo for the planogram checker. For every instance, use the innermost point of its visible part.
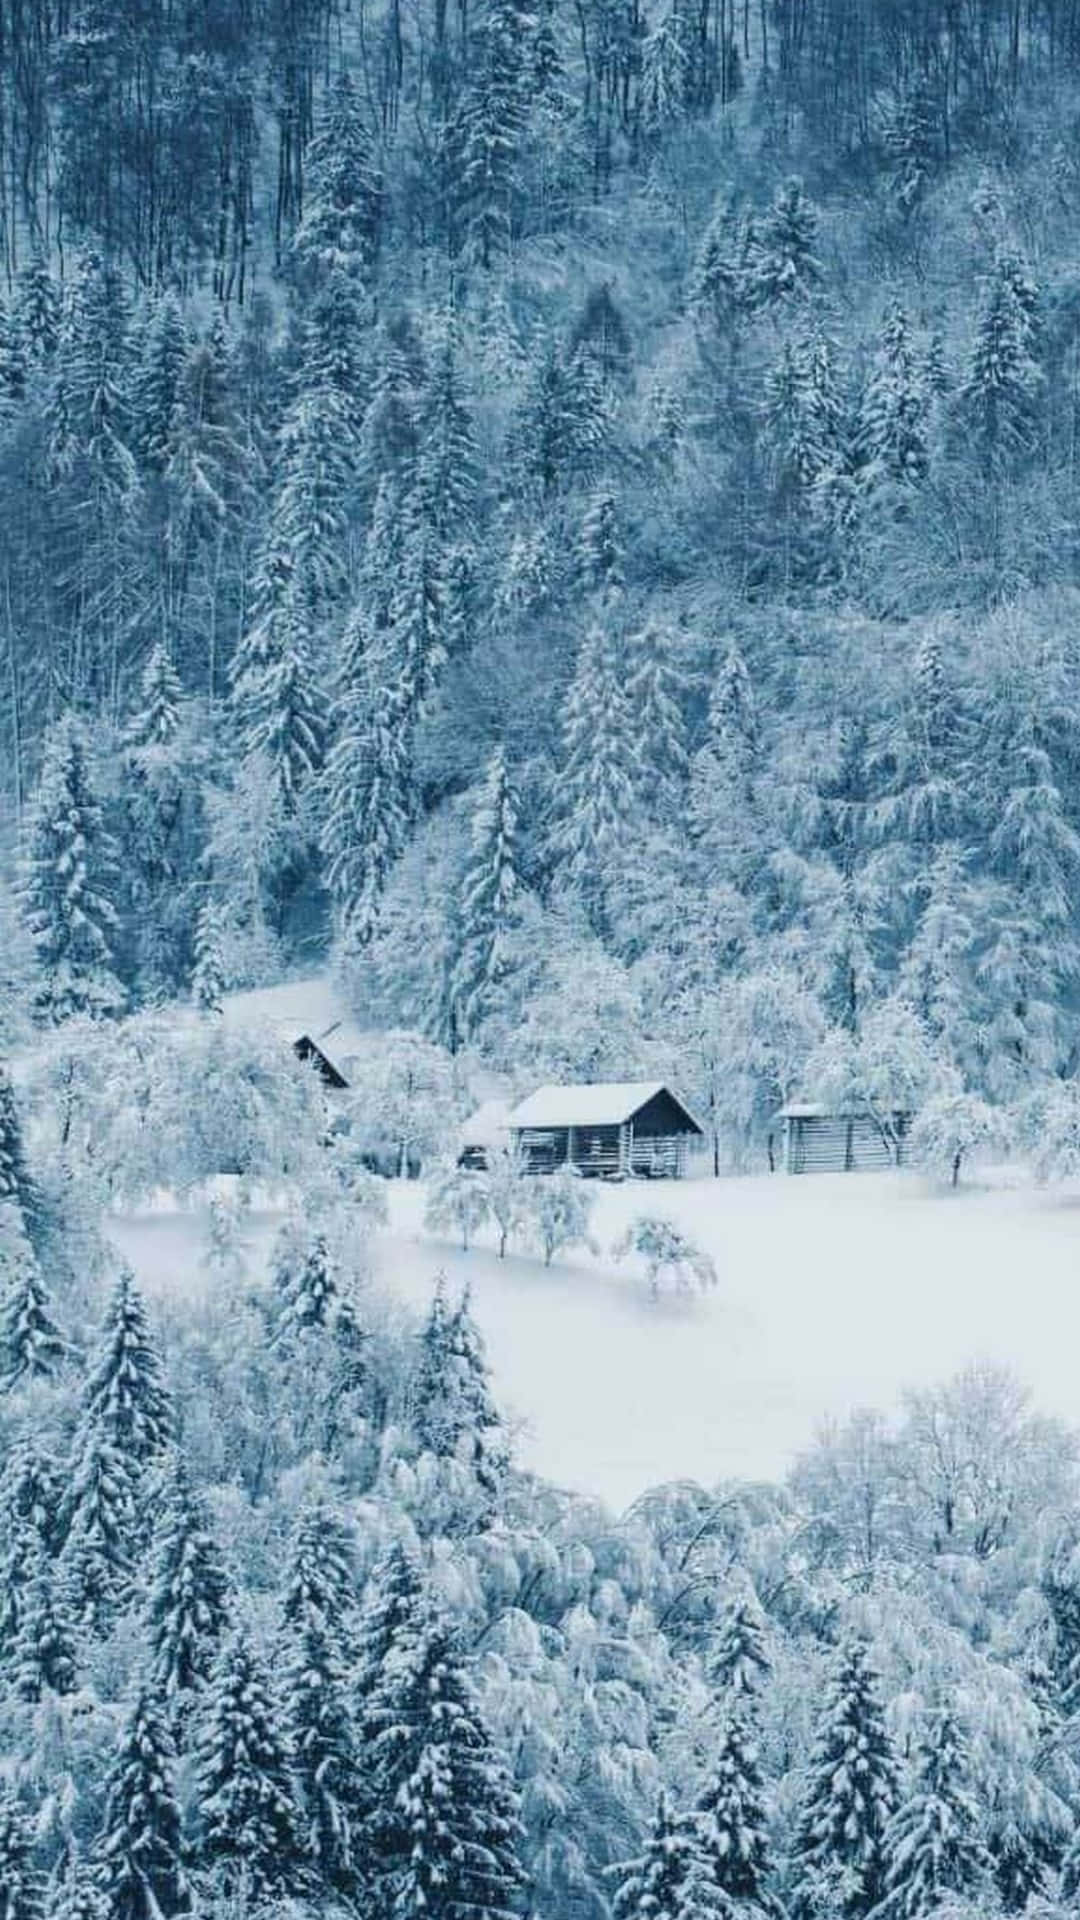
(558, 1213)
(951, 1128)
(457, 1201)
(668, 1255)
(507, 1193)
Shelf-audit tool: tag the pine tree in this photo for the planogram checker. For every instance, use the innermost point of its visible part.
(368, 802)
(69, 883)
(74, 1893)
(31, 1344)
(189, 1601)
(31, 1492)
(98, 1522)
(13, 367)
(392, 1603)
(730, 1817)
(140, 1846)
(43, 1656)
(326, 1757)
(156, 720)
(444, 1826)
(488, 899)
(208, 978)
(339, 233)
(596, 788)
(850, 1793)
(663, 1883)
(273, 689)
(494, 120)
(563, 422)
(738, 1659)
(893, 431)
(16, 1187)
(124, 1399)
(247, 1826)
(21, 1889)
(932, 1844)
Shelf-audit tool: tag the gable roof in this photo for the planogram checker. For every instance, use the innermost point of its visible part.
(602, 1103)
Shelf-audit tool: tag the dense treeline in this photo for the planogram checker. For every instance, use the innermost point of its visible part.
(285, 1630)
(531, 497)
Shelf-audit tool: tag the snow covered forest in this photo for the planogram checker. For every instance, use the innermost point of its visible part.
(563, 520)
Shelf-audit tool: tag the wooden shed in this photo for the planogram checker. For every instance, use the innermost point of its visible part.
(610, 1128)
(819, 1139)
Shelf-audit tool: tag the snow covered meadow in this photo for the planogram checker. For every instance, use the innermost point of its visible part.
(834, 1293)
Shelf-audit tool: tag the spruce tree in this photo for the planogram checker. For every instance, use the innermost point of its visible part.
(339, 233)
(494, 120)
(785, 267)
(156, 719)
(563, 421)
(738, 1659)
(31, 1491)
(22, 1893)
(731, 1819)
(481, 1420)
(392, 1603)
(16, 1187)
(124, 1399)
(274, 699)
(140, 1847)
(444, 1823)
(208, 977)
(165, 348)
(69, 880)
(37, 311)
(189, 1601)
(43, 1657)
(368, 802)
(892, 438)
(663, 1883)
(1000, 393)
(488, 898)
(320, 1588)
(247, 1831)
(655, 690)
(932, 1846)
(304, 1279)
(448, 478)
(74, 1893)
(597, 780)
(601, 557)
(850, 1793)
(326, 1755)
(98, 1521)
(31, 1344)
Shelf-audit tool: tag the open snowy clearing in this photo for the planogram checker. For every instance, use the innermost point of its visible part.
(835, 1292)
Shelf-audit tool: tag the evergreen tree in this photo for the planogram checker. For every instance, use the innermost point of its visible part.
(731, 1820)
(655, 690)
(74, 1893)
(999, 395)
(601, 549)
(738, 1659)
(139, 1850)
(124, 1399)
(893, 438)
(563, 422)
(208, 978)
(273, 690)
(445, 1825)
(488, 898)
(339, 233)
(850, 1793)
(16, 1187)
(165, 349)
(326, 1758)
(247, 1832)
(393, 1601)
(448, 479)
(31, 1491)
(321, 1590)
(597, 782)
(305, 1280)
(37, 312)
(784, 266)
(21, 1889)
(43, 1655)
(31, 1344)
(69, 883)
(663, 1884)
(932, 1845)
(189, 1604)
(98, 1523)
(156, 720)
(368, 801)
(494, 121)
(12, 365)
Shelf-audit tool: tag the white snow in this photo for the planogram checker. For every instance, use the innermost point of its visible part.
(595, 1104)
(835, 1292)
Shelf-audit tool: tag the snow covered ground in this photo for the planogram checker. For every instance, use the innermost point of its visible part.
(835, 1292)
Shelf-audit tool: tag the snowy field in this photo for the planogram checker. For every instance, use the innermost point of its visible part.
(835, 1292)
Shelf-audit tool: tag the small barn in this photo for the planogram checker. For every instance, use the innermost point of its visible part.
(610, 1128)
(820, 1139)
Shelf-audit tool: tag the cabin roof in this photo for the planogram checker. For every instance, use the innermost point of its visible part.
(602, 1103)
(489, 1126)
(820, 1110)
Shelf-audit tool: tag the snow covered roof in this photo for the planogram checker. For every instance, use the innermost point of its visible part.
(603, 1103)
(489, 1126)
(819, 1110)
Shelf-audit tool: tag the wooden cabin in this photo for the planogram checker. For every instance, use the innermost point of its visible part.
(819, 1139)
(610, 1129)
(484, 1135)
